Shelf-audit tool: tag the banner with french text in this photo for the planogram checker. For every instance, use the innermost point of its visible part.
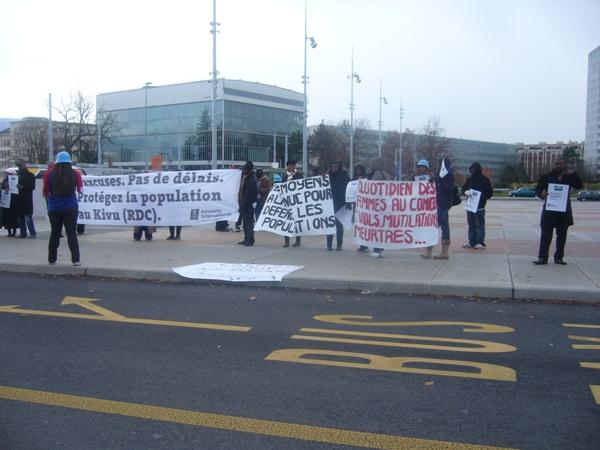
(160, 198)
(396, 214)
(301, 207)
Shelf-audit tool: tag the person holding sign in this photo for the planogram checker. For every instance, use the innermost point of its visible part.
(478, 190)
(360, 173)
(339, 181)
(423, 174)
(380, 173)
(10, 218)
(289, 175)
(444, 188)
(554, 188)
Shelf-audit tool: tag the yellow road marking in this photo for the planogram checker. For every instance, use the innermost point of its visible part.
(580, 325)
(86, 303)
(231, 423)
(477, 346)
(469, 327)
(585, 346)
(590, 365)
(408, 364)
(596, 392)
(110, 316)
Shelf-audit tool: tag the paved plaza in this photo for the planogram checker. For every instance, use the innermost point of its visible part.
(503, 269)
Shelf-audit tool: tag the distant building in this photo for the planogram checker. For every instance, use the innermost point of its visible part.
(6, 148)
(592, 122)
(538, 159)
(254, 122)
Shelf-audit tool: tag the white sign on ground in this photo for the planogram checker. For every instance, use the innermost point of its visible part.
(160, 198)
(236, 272)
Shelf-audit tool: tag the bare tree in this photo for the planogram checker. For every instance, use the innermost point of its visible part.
(433, 144)
(31, 140)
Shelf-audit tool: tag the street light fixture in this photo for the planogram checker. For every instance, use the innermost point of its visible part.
(399, 151)
(313, 44)
(353, 76)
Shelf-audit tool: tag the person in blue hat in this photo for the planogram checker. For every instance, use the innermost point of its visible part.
(61, 187)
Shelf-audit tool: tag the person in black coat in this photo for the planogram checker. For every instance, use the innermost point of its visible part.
(555, 219)
(476, 220)
(289, 175)
(339, 180)
(444, 188)
(247, 197)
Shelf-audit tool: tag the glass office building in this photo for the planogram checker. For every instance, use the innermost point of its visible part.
(254, 122)
(592, 122)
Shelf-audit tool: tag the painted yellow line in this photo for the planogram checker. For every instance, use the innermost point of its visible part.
(596, 392)
(87, 303)
(580, 325)
(590, 365)
(231, 423)
(585, 346)
(168, 323)
(470, 345)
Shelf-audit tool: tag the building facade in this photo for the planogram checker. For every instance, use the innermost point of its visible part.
(174, 122)
(538, 159)
(592, 122)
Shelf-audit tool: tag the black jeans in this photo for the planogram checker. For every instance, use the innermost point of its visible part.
(68, 219)
(339, 235)
(546, 240)
(247, 214)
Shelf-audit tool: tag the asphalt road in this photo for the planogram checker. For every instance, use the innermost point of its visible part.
(159, 366)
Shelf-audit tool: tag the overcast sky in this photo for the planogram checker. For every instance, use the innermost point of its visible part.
(497, 70)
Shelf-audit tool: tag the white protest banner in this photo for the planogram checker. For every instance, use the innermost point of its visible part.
(351, 191)
(160, 198)
(557, 197)
(396, 214)
(5, 199)
(301, 207)
(13, 181)
(472, 202)
(236, 272)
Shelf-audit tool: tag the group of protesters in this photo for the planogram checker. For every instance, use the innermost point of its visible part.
(62, 183)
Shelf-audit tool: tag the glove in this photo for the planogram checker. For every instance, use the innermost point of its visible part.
(468, 192)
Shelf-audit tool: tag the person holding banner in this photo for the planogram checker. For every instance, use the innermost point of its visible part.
(444, 186)
(554, 188)
(10, 219)
(339, 181)
(478, 189)
(289, 175)
(61, 185)
(423, 174)
(264, 186)
(360, 173)
(247, 197)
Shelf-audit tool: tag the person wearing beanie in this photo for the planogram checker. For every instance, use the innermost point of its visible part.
(289, 175)
(247, 197)
(476, 221)
(61, 187)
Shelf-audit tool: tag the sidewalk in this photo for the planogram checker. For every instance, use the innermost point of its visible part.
(502, 270)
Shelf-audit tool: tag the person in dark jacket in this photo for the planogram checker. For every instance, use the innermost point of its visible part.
(247, 197)
(264, 187)
(339, 179)
(26, 185)
(360, 173)
(476, 221)
(444, 186)
(291, 174)
(10, 216)
(555, 219)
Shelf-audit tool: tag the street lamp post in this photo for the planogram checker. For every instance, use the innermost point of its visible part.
(380, 139)
(313, 44)
(148, 83)
(353, 76)
(214, 89)
(399, 153)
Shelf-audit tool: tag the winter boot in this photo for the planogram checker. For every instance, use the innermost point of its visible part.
(444, 253)
(427, 254)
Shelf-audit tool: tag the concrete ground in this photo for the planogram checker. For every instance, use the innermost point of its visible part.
(502, 270)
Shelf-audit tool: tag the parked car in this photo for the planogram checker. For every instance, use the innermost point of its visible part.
(589, 196)
(522, 192)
